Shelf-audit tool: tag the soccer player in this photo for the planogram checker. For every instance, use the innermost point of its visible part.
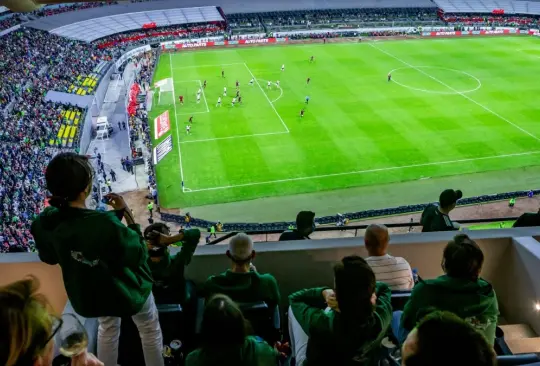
(188, 129)
(307, 99)
(302, 113)
(308, 80)
(277, 83)
(268, 85)
(198, 98)
(218, 102)
(389, 77)
(312, 58)
(233, 101)
(181, 99)
(199, 91)
(191, 119)
(224, 91)
(237, 84)
(222, 73)
(204, 84)
(251, 81)
(237, 93)
(283, 67)
(239, 99)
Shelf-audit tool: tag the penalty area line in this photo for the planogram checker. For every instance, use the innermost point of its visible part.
(235, 137)
(357, 172)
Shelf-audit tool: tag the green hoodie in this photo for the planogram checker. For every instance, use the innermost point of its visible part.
(330, 343)
(103, 261)
(474, 301)
(169, 271)
(244, 287)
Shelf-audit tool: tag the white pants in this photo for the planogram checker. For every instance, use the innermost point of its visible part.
(299, 339)
(147, 323)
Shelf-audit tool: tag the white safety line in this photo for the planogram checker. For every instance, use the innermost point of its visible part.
(235, 137)
(268, 99)
(204, 96)
(367, 171)
(177, 128)
(456, 91)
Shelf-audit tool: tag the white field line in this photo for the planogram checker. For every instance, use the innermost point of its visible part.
(204, 96)
(177, 127)
(456, 91)
(368, 171)
(214, 65)
(268, 99)
(235, 137)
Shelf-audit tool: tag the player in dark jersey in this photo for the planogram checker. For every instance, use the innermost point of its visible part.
(191, 119)
(238, 93)
(389, 77)
(237, 84)
(312, 59)
(239, 99)
(181, 98)
(308, 80)
(222, 73)
(302, 113)
(204, 84)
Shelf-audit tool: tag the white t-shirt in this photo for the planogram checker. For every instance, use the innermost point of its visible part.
(394, 271)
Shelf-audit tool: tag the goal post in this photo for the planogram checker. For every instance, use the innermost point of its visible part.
(165, 91)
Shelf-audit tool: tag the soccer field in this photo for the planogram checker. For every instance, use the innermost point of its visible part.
(454, 106)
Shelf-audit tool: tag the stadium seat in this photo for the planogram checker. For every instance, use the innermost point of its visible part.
(265, 321)
(519, 360)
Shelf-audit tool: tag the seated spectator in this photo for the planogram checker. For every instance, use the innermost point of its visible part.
(305, 225)
(242, 282)
(352, 330)
(528, 219)
(443, 339)
(394, 271)
(225, 340)
(435, 218)
(460, 290)
(104, 262)
(168, 271)
(28, 327)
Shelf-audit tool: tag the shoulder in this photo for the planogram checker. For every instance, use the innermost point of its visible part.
(193, 357)
(267, 278)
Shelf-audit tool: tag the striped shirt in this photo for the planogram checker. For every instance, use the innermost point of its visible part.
(394, 271)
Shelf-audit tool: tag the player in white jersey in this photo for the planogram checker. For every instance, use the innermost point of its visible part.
(225, 91)
(188, 129)
(218, 102)
(198, 98)
(277, 83)
(251, 82)
(283, 67)
(268, 85)
(199, 91)
(233, 101)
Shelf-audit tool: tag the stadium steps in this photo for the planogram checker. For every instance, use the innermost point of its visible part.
(521, 338)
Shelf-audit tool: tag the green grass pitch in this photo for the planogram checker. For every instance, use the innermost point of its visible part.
(454, 106)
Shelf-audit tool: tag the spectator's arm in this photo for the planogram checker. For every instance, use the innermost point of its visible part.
(308, 308)
(383, 306)
(44, 247)
(410, 285)
(190, 240)
(129, 248)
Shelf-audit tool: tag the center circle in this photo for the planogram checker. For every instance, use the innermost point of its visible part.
(444, 76)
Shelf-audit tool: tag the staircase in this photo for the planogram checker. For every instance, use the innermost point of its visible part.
(521, 338)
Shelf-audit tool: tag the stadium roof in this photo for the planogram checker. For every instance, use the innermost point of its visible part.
(95, 28)
(228, 6)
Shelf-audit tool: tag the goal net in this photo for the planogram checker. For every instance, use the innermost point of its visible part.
(165, 94)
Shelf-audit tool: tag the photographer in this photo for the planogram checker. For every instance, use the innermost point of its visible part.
(103, 262)
(168, 270)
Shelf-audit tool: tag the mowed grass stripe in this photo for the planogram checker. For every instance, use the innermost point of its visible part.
(355, 120)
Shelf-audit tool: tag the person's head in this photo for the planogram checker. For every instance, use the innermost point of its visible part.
(448, 199)
(241, 252)
(305, 222)
(354, 283)
(69, 179)
(26, 325)
(462, 258)
(376, 239)
(223, 324)
(444, 339)
(155, 250)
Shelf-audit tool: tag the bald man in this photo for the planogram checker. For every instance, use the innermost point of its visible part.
(394, 271)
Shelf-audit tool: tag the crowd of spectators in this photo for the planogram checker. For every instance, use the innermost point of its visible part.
(489, 20)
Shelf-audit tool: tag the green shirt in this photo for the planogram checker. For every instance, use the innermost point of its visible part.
(169, 271)
(103, 261)
(244, 287)
(212, 229)
(150, 206)
(434, 220)
(329, 343)
(474, 301)
(254, 352)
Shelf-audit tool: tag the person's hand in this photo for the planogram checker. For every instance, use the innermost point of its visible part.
(252, 267)
(116, 201)
(157, 238)
(330, 299)
(85, 359)
(283, 348)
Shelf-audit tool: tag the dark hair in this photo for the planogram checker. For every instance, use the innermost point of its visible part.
(223, 327)
(67, 175)
(159, 227)
(449, 197)
(354, 286)
(462, 258)
(444, 339)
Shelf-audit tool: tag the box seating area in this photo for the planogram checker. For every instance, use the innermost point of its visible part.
(67, 135)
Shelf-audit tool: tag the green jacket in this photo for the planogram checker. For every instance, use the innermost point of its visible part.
(254, 352)
(103, 261)
(244, 287)
(329, 343)
(169, 271)
(474, 301)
